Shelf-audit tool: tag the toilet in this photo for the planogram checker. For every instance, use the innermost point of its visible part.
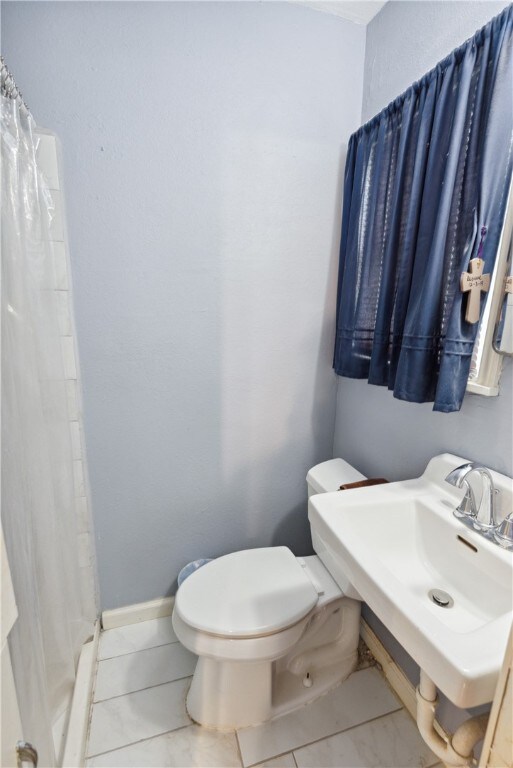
(271, 631)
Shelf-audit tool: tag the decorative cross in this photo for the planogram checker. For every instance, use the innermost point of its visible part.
(473, 282)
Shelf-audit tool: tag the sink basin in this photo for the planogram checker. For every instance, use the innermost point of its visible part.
(390, 545)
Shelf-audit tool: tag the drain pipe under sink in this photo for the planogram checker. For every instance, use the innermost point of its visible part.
(456, 749)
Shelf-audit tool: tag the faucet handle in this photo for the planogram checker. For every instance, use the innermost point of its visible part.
(503, 533)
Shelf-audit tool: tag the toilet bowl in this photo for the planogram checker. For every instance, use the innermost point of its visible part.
(271, 631)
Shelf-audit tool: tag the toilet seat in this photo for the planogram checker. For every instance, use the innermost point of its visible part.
(247, 594)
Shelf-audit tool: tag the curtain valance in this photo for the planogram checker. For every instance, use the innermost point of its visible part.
(425, 191)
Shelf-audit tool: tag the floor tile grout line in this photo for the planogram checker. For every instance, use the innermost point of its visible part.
(239, 751)
(146, 688)
(352, 727)
(139, 741)
(157, 620)
(139, 650)
(275, 757)
(329, 736)
(291, 751)
(90, 713)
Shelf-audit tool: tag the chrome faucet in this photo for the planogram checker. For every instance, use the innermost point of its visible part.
(483, 517)
(458, 477)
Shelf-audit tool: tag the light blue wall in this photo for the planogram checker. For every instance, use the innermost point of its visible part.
(380, 435)
(203, 151)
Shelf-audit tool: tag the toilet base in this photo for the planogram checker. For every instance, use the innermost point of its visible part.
(226, 695)
(291, 691)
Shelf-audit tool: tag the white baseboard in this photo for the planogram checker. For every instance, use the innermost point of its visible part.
(76, 737)
(393, 673)
(132, 614)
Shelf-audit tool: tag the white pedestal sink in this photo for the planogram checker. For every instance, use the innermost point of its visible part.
(392, 544)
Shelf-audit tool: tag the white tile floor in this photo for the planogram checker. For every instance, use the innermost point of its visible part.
(139, 717)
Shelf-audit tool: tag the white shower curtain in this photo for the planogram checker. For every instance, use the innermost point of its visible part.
(38, 492)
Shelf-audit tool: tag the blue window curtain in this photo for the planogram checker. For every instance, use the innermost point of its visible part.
(426, 185)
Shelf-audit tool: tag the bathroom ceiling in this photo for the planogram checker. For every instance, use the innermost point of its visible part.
(359, 11)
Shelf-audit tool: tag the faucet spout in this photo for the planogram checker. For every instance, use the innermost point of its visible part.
(467, 508)
(457, 476)
(483, 517)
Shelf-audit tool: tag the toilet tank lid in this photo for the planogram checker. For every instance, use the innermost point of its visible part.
(330, 475)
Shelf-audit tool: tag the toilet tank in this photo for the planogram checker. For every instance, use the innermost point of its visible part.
(322, 478)
(330, 475)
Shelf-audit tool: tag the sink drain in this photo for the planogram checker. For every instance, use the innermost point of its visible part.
(441, 598)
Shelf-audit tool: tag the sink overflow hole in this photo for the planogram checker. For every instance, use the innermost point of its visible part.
(467, 543)
(441, 598)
